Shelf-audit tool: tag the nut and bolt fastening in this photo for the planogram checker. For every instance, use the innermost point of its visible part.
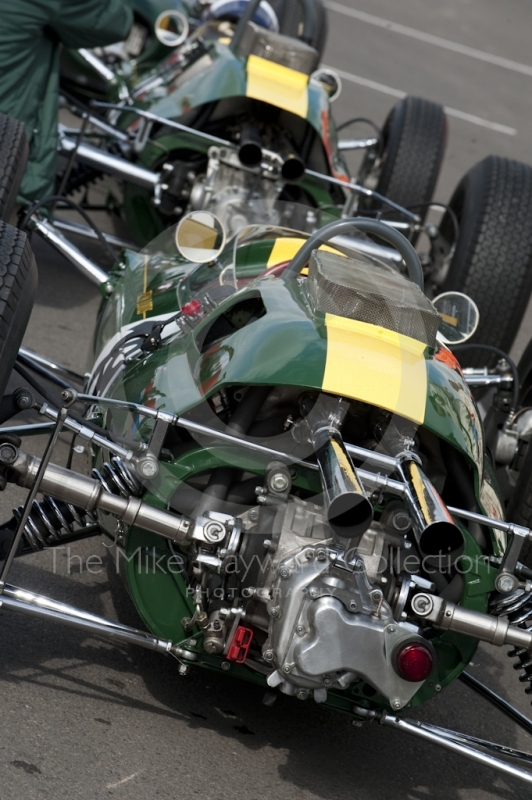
(352, 605)
(275, 612)
(309, 555)
(302, 694)
(505, 582)
(8, 453)
(214, 531)
(268, 655)
(279, 482)
(254, 514)
(287, 668)
(226, 666)
(422, 604)
(390, 629)
(437, 687)
(183, 669)
(300, 630)
(396, 704)
(67, 396)
(321, 554)
(313, 592)
(376, 595)
(284, 572)
(147, 467)
(326, 680)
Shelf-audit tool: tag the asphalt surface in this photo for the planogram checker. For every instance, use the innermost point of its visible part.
(82, 719)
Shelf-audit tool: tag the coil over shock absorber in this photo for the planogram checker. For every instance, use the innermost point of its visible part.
(51, 520)
(517, 607)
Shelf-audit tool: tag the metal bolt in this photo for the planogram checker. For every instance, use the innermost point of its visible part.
(437, 688)
(24, 399)
(147, 467)
(422, 604)
(226, 666)
(309, 555)
(376, 595)
(8, 453)
(321, 554)
(390, 629)
(302, 694)
(300, 630)
(183, 669)
(352, 605)
(505, 582)
(275, 612)
(284, 572)
(313, 592)
(279, 482)
(268, 655)
(287, 668)
(396, 704)
(67, 396)
(254, 514)
(326, 680)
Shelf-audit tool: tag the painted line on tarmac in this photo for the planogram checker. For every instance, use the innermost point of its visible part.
(455, 47)
(451, 112)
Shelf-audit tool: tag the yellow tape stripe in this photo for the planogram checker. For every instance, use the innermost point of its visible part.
(285, 249)
(277, 85)
(377, 366)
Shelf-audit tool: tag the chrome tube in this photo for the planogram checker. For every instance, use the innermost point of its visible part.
(91, 270)
(458, 743)
(250, 146)
(432, 524)
(88, 233)
(87, 493)
(293, 167)
(112, 165)
(349, 512)
(357, 144)
(98, 65)
(53, 366)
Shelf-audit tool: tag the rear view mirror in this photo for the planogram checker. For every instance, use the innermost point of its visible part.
(200, 237)
(330, 81)
(171, 28)
(459, 317)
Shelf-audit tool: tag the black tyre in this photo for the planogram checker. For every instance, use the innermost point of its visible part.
(407, 163)
(14, 153)
(492, 262)
(18, 284)
(290, 16)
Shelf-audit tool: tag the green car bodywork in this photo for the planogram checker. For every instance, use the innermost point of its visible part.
(290, 344)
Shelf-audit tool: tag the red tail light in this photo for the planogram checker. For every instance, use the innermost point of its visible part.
(414, 662)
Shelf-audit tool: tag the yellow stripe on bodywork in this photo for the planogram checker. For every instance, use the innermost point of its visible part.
(377, 366)
(277, 85)
(286, 248)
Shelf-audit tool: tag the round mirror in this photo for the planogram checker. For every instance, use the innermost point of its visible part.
(459, 317)
(200, 237)
(171, 28)
(329, 80)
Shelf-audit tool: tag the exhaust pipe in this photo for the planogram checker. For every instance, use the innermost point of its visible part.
(348, 510)
(250, 150)
(293, 167)
(434, 528)
(112, 165)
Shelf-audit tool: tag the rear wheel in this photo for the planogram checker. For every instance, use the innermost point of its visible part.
(492, 261)
(14, 153)
(18, 284)
(406, 164)
(290, 16)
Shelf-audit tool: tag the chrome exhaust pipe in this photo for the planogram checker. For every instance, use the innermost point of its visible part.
(250, 148)
(348, 510)
(111, 165)
(433, 526)
(293, 167)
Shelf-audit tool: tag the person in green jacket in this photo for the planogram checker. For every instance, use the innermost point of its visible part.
(31, 33)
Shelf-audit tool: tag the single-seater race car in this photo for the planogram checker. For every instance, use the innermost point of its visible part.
(289, 461)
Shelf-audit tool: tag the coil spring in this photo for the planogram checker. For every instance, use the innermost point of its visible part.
(51, 520)
(517, 607)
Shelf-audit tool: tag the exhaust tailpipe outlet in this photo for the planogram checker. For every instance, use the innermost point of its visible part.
(349, 512)
(434, 528)
(293, 167)
(250, 149)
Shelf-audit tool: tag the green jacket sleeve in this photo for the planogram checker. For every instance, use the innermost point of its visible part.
(91, 23)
